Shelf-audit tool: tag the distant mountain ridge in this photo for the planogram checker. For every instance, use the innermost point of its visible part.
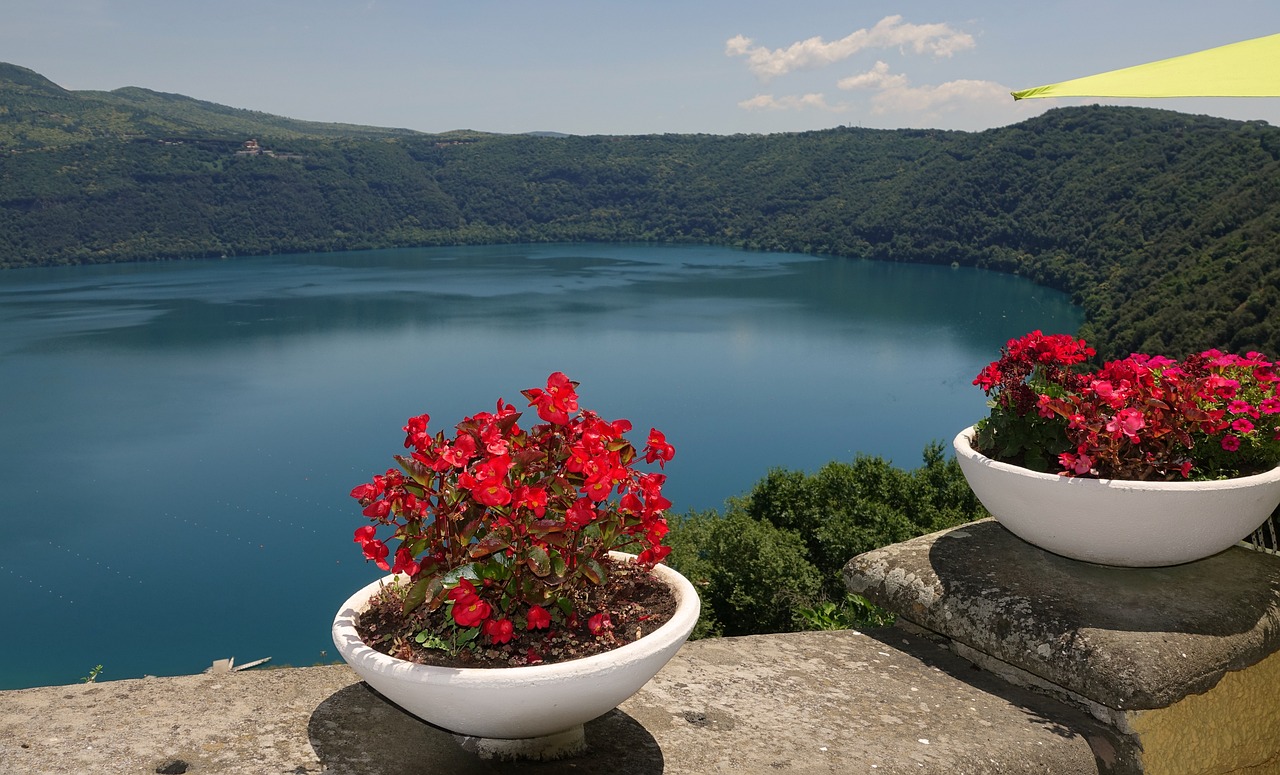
(1164, 226)
(39, 113)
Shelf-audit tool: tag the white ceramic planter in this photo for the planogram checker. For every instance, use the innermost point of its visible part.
(549, 702)
(1118, 522)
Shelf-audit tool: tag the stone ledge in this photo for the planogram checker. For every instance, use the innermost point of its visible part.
(1126, 638)
(879, 702)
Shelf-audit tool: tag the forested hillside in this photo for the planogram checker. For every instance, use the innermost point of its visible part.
(1164, 226)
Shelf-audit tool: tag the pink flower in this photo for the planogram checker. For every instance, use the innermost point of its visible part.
(1270, 406)
(1222, 386)
(1230, 443)
(1128, 422)
(1103, 389)
(989, 377)
(1081, 464)
(1242, 425)
(1242, 407)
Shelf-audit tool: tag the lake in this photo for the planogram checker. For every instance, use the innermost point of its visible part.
(178, 439)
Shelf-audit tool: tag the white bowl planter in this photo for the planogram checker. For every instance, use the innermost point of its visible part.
(519, 712)
(1119, 522)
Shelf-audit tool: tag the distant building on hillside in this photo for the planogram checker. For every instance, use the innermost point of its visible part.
(252, 148)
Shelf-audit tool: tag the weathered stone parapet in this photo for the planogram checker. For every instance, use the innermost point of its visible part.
(837, 702)
(1183, 659)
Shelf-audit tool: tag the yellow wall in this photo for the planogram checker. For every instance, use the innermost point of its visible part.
(1234, 727)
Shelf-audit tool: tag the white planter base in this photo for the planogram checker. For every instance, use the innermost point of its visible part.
(1130, 524)
(519, 712)
(561, 745)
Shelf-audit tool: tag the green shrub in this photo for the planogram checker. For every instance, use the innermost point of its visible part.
(773, 562)
(753, 576)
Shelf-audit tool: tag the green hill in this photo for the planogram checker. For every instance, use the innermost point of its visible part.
(1164, 226)
(37, 113)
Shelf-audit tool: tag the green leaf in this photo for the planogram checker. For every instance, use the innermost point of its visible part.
(422, 589)
(545, 527)
(432, 641)
(538, 561)
(468, 572)
(469, 529)
(489, 545)
(594, 571)
(417, 471)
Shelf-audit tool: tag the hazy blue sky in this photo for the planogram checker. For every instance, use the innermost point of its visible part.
(627, 67)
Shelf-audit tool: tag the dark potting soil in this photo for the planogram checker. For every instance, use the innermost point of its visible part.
(636, 601)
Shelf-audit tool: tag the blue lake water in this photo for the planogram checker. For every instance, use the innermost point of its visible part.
(178, 440)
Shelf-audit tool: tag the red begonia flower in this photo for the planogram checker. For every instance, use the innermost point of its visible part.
(498, 630)
(539, 619)
(491, 492)
(416, 435)
(464, 589)
(470, 610)
(580, 514)
(653, 555)
(658, 449)
(405, 562)
(377, 551)
(599, 624)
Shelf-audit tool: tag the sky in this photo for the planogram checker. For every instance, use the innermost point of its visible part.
(625, 67)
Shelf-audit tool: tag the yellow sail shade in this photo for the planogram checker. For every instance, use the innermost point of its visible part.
(1250, 68)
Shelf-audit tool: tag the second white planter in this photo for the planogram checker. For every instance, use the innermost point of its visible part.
(1119, 522)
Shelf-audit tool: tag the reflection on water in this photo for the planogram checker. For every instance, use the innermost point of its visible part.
(179, 438)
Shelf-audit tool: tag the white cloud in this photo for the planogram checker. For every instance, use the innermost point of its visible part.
(788, 102)
(941, 98)
(940, 40)
(877, 77)
(885, 92)
(895, 94)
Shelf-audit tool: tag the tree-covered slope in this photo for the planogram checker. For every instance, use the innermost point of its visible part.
(37, 113)
(1162, 225)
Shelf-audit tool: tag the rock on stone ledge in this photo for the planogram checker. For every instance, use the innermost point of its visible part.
(1181, 659)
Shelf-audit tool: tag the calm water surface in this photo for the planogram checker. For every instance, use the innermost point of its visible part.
(178, 439)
